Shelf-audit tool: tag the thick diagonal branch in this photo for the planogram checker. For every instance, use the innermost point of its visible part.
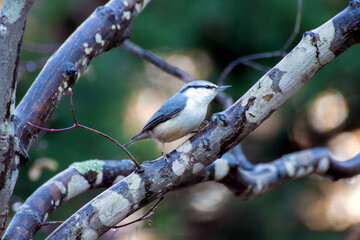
(76, 179)
(105, 29)
(317, 48)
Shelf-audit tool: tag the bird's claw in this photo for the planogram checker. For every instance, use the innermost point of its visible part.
(165, 156)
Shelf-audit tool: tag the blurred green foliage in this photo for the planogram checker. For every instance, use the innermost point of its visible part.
(225, 30)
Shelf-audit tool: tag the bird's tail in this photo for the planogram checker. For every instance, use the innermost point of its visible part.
(140, 136)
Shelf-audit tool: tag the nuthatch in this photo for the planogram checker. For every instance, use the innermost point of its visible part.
(181, 114)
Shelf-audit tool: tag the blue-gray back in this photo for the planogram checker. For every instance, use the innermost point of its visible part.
(170, 109)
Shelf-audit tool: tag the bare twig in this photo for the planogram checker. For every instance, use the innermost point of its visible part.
(247, 60)
(256, 66)
(77, 125)
(147, 215)
(296, 28)
(158, 62)
(51, 223)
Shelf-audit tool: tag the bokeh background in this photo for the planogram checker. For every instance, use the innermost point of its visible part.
(119, 92)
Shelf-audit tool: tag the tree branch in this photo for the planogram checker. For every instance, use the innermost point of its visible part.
(13, 17)
(76, 179)
(105, 29)
(243, 180)
(317, 48)
(265, 177)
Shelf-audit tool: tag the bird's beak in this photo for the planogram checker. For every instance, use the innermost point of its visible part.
(222, 88)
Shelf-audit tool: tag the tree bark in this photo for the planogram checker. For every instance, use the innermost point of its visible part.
(79, 177)
(105, 29)
(13, 17)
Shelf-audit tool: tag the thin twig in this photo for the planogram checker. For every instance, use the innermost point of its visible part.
(296, 28)
(149, 56)
(243, 60)
(70, 92)
(77, 125)
(256, 66)
(247, 60)
(148, 214)
(51, 223)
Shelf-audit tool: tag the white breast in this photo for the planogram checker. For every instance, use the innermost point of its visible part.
(184, 123)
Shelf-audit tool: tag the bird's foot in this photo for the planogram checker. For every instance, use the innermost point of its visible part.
(165, 156)
(139, 170)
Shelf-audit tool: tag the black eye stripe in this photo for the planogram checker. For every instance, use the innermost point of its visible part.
(197, 86)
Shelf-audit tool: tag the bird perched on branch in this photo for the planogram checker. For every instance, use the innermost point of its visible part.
(181, 114)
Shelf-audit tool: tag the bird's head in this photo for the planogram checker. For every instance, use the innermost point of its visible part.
(201, 91)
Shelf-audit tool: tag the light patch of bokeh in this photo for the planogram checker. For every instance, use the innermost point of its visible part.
(36, 169)
(327, 111)
(337, 207)
(206, 199)
(269, 128)
(142, 105)
(299, 132)
(345, 145)
(144, 102)
(195, 62)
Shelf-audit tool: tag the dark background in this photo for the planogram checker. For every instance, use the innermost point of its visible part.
(119, 91)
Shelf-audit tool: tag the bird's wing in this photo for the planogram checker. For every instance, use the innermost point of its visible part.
(170, 109)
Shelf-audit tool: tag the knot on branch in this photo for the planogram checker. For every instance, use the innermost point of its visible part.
(71, 74)
(314, 36)
(107, 13)
(3, 29)
(206, 144)
(354, 3)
